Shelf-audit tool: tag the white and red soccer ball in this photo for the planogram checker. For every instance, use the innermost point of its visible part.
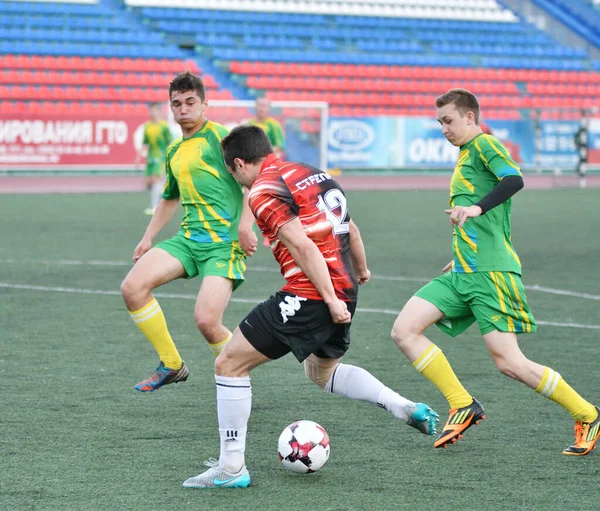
(303, 447)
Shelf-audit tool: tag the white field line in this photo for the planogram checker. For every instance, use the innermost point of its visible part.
(390, 312)
(267, 269)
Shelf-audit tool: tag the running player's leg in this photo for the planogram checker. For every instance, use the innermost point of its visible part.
(222, 266)
(156, 188)
(234, 404)
(416, 316)
(500, 305)
(154, 183)
(510, 360)
(439, 303)
(211, 303)
(155, 268)
(355, 382)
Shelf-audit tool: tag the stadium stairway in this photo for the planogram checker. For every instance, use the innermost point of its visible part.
(206, 65)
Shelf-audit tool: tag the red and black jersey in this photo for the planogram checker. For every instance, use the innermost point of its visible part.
(284, 191)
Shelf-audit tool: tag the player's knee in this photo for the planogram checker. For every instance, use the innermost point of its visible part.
(128, 288)
(317, 374)
(208, 326)
(223, 364)
(508, 367)
(402, 333)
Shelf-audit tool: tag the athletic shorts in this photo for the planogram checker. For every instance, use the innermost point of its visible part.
(496, 300)
(155, 168)
(286, 322)
(221, 259)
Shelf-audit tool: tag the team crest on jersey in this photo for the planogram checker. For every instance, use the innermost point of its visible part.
(289, 306)
(202, 144)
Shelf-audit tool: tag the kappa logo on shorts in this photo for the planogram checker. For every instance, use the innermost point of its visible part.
(497, 318)
(289, 306)
(220, 265)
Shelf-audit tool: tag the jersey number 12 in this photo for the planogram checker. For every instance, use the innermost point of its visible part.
(328, 203)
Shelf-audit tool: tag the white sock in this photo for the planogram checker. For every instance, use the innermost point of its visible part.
(356, 383)
(155, 194)
(234, 402)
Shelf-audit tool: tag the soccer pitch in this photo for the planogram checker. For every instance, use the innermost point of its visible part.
(76, 435)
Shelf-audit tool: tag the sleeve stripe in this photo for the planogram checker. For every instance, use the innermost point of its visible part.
(508, 160)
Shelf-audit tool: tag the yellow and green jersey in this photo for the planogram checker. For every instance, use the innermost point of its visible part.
(483, 243)
(211, 198)
(157, 136)
(273, 130)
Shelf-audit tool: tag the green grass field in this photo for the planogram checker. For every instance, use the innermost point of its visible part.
(76, 436)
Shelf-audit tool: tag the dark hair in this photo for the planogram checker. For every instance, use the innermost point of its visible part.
(249, 143)
(463, 99)
(187, 81)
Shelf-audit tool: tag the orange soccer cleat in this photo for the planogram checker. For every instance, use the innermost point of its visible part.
(459, 421)
(586, 436)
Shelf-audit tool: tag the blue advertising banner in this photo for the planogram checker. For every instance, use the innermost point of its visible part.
(417, 142)
(362, 142)
(555, 143)
(594, 141)
(518, 137)
(424, 145)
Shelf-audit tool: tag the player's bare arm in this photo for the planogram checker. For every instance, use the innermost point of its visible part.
(248, 240)
(358, 255)
(163, 214)
(310, 260)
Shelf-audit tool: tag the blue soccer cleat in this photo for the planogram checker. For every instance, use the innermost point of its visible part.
(422, 417)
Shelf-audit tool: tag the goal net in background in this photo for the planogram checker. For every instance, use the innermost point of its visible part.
(304, 124)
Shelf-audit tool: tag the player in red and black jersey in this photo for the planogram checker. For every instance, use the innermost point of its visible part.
(285, 192)
(304, 214)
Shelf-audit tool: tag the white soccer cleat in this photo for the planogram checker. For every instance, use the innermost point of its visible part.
(217, 477)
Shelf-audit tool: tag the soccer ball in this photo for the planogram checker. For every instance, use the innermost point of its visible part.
(303, 447)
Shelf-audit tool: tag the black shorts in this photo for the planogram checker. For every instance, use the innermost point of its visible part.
(286, 322)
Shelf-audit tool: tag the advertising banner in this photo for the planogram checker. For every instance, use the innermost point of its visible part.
(518, 137)
(594, 142)
(424, 144)
(365, 142)
(70, 142)
(555, 144)
(412, 142)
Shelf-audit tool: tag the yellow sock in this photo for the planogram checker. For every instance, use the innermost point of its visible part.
(558, 390)
(435, 367)
(218, 348)
(151, 321)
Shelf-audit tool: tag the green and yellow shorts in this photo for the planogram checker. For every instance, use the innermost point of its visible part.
(496, 300)
(222, 259)
(155, 167)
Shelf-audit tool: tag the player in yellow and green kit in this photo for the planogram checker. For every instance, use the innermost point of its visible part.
(269, 125)
(272, 128)
(157, 137)
(482, 283)
(214, 239)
